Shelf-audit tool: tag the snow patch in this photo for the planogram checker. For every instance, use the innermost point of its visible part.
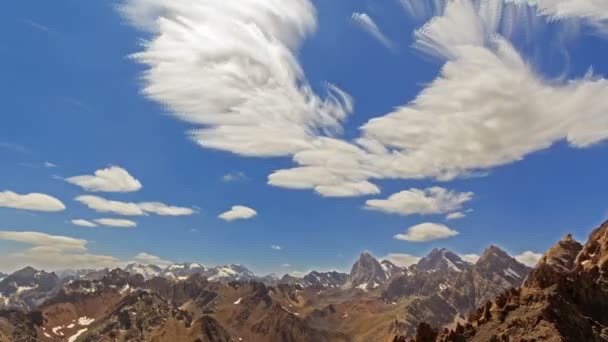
(238, 301)
(84, 321)
(510, 272)
(76, 335)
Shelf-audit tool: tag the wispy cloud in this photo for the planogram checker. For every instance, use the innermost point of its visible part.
(366, 23)
(435, 200)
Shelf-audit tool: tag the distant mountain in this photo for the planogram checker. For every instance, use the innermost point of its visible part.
(442, 260)
(325, 279)
(182, 271)
(148, 271)
(368, 273)
(2, 276)
(27, 288)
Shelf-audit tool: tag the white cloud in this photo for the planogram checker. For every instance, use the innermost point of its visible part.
(276, 248)
(103, 205)
(165, 210)
(234, 177)
(286, 265)
(402, 260)
(455, 216)
(472, 258)
(435, 200)
(528, 258)
(231, 70)
(112, 179)
(118, 223)
(33, 201)
(365, 22)
(487, 108)
(427, 232)
(83, 223)
(49, 165)
(150, 259)
(594, 12)
(42, 239)
(238, 212)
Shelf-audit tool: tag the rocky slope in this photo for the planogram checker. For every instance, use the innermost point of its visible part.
(27, 288)
(564, 298)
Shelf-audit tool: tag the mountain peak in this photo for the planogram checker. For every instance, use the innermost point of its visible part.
(442, 260)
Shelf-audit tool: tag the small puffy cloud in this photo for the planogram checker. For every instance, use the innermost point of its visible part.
(83, 223)
(112, 179)
(434, 200)
(118, 223)
(365, 22)
(238, 212)
(103, 205)
(286, 265)
(33, 201)
(400, 259)
(234, 177)
(528, 258)
(427, 232)
(49, 165)
(149, 259)
(276, 247)
(472, 258)
(455, 216)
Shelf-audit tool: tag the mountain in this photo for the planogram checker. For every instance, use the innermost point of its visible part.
(325, 279)
(564, 298)
(367, 273)
(442, 260)
(148, 271)
(27, 288)
(182, 271)
(2, 276)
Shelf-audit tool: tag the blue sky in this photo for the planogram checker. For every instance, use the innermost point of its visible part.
(73, 97)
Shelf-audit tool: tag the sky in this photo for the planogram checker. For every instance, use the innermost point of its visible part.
(291, 135)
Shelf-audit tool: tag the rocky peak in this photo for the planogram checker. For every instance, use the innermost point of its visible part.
(367, 273)
(562, 255)
(442, 260)
(595, 251)
(495, 261)
(325, 279)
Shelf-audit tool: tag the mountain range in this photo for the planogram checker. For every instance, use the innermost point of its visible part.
(440, 298)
